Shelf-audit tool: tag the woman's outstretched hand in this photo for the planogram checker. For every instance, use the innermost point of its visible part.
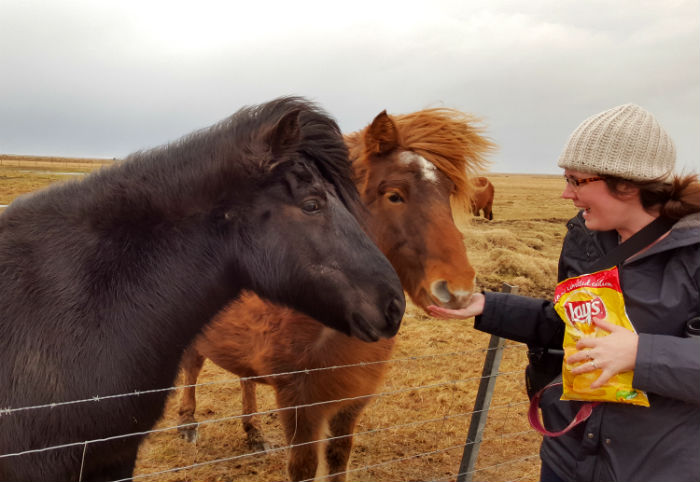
(474, 308)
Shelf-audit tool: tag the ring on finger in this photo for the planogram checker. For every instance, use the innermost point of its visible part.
(594, 364)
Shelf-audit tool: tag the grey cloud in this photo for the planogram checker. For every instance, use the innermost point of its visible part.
(96, 79)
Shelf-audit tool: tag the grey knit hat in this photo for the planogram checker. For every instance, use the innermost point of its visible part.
(625, 141)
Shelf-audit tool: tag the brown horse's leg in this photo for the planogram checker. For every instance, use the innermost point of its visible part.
(256, 442)
(302, 427)
(475, 210)
(191, 364)
(342, 425)
(488, 214)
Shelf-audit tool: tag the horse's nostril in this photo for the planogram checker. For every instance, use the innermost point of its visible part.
(440, 291)
(449, 296)
(394, 312)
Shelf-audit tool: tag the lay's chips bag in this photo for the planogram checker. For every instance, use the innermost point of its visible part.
(578, 301)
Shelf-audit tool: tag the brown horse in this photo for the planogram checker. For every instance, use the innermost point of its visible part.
(410, 170)
(482, 199)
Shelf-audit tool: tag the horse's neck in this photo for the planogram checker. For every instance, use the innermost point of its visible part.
(165, 277)
(169, 311)
(172, 201)
(188, 283)
(178, 184)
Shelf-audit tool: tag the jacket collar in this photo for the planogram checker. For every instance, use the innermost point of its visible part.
(685, 232)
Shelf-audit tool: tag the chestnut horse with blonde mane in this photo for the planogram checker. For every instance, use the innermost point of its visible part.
(410, 170)
(482, 199)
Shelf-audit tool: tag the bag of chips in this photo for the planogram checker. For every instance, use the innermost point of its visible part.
(578, 301)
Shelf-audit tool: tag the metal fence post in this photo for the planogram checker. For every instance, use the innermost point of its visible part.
(492, 362)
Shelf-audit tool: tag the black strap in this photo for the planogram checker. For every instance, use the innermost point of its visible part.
(641, 239)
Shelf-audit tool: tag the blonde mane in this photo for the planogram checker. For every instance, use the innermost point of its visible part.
(450, 139)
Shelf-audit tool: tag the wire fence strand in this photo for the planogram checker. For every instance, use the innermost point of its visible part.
(389, 394)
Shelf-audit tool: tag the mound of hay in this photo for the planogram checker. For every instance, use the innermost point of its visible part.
(520, 253)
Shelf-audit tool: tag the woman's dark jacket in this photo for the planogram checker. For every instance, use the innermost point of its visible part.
(624, 442)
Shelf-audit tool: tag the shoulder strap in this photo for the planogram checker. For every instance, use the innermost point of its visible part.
(644, 237)
(533, 414)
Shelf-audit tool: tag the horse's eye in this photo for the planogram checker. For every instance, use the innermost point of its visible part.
(394, 197)
(311, 206)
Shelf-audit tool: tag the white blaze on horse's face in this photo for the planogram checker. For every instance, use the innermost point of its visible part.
(427, 169)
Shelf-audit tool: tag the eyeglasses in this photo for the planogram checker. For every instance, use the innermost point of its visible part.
(575, 183)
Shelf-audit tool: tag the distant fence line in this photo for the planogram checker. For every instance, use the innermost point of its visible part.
(62, 162)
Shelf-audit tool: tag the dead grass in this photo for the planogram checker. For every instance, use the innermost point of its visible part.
(35, 162)
(24, 174)
(415, 429)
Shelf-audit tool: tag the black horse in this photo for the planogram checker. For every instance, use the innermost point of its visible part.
(104, 281)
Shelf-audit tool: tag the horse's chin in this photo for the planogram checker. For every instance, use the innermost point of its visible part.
(368, 324)
(363, 330)
(422, 299)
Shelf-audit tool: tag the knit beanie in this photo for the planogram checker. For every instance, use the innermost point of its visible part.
(625, 141)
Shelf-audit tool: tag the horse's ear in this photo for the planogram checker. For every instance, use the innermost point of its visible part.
(381, 136)
(284, 135)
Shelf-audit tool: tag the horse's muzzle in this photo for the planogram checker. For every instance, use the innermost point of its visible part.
(394, 314)
(368, 331)
(443, 296)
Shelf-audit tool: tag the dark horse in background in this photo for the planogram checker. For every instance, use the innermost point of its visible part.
(104, 282)
(412, 174)
(482, 200)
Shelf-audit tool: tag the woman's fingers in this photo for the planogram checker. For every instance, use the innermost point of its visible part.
(607, 326)
(440, 312)
(474, 308)
(605, 372)
(579, 356)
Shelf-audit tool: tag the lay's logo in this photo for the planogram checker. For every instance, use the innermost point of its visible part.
(582, 312)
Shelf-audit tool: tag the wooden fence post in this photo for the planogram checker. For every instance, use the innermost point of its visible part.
(489, 373)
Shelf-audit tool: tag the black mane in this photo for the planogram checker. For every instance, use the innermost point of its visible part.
(196, 173)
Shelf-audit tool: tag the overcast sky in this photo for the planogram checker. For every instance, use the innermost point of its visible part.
(105, 78)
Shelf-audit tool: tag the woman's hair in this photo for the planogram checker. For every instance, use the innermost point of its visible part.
(675, 198)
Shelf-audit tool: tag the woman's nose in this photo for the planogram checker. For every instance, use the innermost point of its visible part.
(568, 192)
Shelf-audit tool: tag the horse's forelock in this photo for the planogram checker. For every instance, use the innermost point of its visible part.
(450, 139)
(245, 136)
(322, 142)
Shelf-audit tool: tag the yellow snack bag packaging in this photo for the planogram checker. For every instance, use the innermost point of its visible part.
(578, 301)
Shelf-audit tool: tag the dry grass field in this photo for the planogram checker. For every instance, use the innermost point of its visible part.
(23, 174)
(36, 162)
(416, 427)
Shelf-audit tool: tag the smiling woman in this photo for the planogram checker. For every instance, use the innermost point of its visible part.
(619, 170)
(603, 210)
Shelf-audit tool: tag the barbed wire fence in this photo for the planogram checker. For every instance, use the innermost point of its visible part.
(494, 441)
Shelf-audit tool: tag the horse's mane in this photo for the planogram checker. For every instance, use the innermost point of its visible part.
(204, 168)
(450, 139)
(242, 138)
